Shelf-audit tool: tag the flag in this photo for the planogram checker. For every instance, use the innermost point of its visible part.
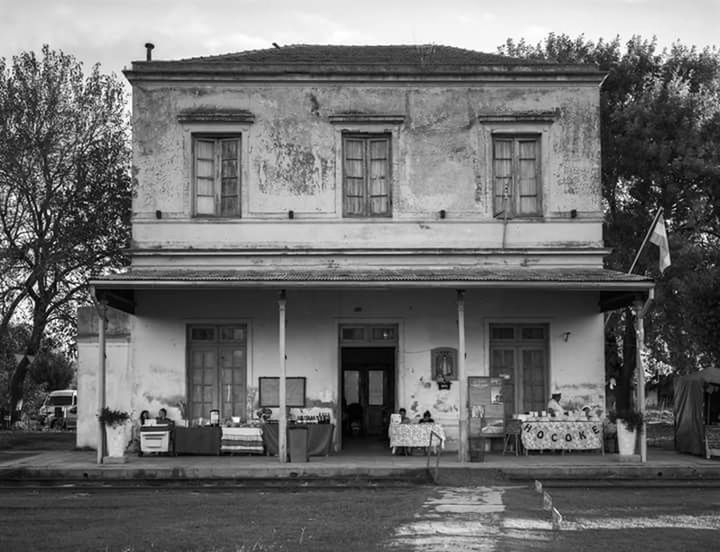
(658, 236)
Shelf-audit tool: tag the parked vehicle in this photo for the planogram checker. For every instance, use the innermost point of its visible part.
(59, 410)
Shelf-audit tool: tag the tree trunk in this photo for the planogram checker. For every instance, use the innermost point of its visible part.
(17, 378)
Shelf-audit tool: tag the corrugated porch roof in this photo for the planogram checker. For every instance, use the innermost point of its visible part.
(616, 288)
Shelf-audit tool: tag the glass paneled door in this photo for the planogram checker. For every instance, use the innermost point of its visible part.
(518, 354)
(216, 371)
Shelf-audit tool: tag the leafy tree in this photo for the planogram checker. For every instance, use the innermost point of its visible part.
(660, 115)
(53, 370)
(65, 191)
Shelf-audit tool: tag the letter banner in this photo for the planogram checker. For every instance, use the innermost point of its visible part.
(562, 435)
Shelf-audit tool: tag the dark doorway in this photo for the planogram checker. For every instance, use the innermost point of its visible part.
(368, 392)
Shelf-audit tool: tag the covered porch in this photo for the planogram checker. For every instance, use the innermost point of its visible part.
(294, 324)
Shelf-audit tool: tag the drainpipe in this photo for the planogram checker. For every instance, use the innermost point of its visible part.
(101, 307)
(282, 425)
(639, 310)
(462, 380)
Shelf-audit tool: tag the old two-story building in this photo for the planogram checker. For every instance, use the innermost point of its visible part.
(375, 224)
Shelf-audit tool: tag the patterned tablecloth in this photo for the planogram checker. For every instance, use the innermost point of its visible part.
(414, 435)
(246, 440)
(562, 435)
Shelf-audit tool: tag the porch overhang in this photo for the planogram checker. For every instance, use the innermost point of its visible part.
(616, 289)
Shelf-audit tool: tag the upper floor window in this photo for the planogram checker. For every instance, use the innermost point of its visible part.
(516, 174)
(217, 175)
(366, 175)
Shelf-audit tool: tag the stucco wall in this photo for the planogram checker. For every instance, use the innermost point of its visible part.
(291, 155)
(118, 391)
(152, 374)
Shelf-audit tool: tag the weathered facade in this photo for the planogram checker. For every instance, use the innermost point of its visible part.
(390, 202)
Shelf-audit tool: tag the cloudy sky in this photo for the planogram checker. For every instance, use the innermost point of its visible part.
(112, 32)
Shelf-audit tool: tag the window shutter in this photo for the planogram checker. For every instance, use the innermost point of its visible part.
(528, 176)
(502, 169)
(205, 177)
(230, 177)
(355, 172)
(378, 184)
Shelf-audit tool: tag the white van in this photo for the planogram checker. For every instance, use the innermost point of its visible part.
(60, 409)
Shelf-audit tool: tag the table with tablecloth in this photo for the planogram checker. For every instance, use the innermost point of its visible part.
(319, 438)
(415, 435)
(563, 435)
(198, 440)
(247, 440)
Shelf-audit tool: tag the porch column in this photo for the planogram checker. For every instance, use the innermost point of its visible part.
(282, 425)
(462, 380)
(102, 321)
(638, 311)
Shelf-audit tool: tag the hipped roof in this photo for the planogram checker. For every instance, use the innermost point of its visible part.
(336, 60)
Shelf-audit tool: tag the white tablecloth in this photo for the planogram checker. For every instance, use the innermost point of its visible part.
(562, 435)
(415, 435)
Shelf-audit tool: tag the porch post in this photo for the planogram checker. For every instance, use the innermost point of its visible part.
(462, 380)
(102, 321)
(282, 425)
(639, 348)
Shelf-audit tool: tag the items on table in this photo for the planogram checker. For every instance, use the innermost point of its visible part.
(311, 416)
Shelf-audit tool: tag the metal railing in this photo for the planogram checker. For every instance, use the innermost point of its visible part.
(434, 473)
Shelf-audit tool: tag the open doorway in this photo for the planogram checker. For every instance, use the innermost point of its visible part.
(368, 394)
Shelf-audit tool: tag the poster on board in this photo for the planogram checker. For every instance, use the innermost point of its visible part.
(486, 403)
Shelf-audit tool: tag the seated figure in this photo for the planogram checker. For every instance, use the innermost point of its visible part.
(162, 418)
(553, 406)
(426, 418)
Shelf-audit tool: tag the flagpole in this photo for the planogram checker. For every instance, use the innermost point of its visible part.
(647, 237)
(639, 251)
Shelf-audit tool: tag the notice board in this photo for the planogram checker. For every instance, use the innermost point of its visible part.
(486, 405)
(270, 392)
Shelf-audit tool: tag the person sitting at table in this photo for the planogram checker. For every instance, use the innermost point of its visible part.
(553, 406)
(162, 418)
(403, 416)
(134, 443)
(426, 418)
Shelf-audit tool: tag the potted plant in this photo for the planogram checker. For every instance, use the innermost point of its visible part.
(114, 422)
(627, 422)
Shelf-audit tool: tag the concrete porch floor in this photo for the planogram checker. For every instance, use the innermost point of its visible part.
(73, 466)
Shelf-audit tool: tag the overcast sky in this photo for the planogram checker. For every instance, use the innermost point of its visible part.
(113, 32)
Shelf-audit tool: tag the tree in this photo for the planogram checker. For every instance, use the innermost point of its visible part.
(660, 116)
(65, 191)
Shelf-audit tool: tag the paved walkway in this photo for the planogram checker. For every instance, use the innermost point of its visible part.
(662, 465)
(469, 520)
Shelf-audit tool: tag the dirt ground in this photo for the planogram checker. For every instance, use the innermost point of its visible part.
(422, 517)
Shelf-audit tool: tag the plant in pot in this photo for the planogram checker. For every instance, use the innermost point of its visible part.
(627, 422)
(114, 422)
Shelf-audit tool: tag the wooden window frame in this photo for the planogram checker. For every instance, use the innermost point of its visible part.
(513, 210)
(367, 138)
(217, 140)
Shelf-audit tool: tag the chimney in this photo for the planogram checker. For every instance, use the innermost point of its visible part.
(148, 50)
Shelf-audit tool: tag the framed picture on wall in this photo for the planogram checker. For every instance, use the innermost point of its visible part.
(270, 392)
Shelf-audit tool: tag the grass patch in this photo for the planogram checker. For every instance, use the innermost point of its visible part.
(316, 520)
(37, 440)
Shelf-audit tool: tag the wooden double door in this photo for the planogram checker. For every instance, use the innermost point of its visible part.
(217, 364)
(368, 385)
(519, 355)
